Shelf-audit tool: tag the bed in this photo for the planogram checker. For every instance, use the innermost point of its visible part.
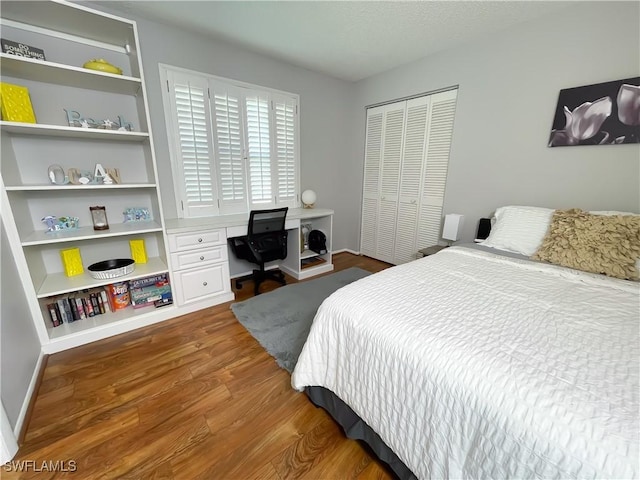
(484, 364)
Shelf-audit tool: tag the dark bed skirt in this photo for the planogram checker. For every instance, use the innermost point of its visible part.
(355, 428)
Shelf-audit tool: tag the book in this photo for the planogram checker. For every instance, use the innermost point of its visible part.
(105, 301)
(64, 315)
(94, 303)
(141, 297)
(73, 309)
(53, 314)
(15, 103)
(80, 308)
(100, 302)
(158, 280)
(86, 303)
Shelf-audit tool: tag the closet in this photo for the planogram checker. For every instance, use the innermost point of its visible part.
(407, 149)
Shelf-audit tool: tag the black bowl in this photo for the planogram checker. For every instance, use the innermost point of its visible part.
(111, 264)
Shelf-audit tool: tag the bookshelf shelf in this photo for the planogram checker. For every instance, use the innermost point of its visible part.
(88, 233)
(59, 283)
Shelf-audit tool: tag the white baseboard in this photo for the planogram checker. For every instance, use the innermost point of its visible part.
(8, 441)
(30, 393)
(348, 250)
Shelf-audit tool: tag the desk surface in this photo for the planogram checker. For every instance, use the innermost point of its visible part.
(183, 225)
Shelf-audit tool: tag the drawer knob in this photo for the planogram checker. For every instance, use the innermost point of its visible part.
(201, 257)
(204, 284)
(200, 240)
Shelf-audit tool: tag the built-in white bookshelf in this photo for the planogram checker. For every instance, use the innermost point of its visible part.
(71, 35)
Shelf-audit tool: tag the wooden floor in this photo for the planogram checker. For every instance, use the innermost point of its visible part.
(193, 397)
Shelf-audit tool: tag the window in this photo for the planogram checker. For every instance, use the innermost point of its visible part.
(234, 146)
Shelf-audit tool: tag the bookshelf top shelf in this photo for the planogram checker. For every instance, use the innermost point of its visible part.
(65, 19)
(68, 75)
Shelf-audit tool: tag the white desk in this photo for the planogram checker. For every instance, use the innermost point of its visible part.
(202, 265)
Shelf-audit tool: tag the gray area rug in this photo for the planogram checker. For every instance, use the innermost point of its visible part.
(280, 320)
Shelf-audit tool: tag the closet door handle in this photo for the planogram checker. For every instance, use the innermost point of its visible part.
(200, 240)
(204, 284)
(201, 257)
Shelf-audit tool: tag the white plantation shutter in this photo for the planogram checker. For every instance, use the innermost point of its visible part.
(234, 146)
(438, 148)
(371, 185)
(259, 150)
(410, 179)
(285, 111)
(193, 152)
(392, 137)
(407, 148)
(226, 104)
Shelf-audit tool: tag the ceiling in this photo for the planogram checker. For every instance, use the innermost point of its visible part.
(350, 40)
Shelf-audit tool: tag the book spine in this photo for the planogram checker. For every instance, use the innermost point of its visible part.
(62, 311)
(105, 301)
(86, 302)
(72, 308)
(100, 303)
(148, 281)
(94, 303)
(80, 308)
(55, 319)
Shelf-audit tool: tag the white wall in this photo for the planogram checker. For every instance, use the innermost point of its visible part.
(19, 343)
(325, 106)
(509, 84)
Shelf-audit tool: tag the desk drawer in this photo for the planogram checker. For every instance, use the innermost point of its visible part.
(199, 257)
(207, 238)
(198, 283)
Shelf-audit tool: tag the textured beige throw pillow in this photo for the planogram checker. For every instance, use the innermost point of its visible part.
(593, 243)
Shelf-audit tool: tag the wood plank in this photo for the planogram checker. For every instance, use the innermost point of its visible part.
(193, 397)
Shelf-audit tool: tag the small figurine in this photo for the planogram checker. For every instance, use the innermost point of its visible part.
(50, 221)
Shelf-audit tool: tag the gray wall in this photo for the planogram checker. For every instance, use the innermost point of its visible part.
(325, 106)
(509, 84)
(19, 344)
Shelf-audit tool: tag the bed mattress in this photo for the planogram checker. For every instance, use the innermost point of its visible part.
(472, 365)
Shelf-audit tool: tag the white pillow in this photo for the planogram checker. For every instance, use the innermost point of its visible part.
(519, 229)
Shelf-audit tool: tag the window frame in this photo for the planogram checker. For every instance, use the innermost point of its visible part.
(278, 102)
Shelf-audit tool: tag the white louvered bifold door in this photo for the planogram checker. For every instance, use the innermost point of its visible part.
(261, 177)
(192, 144)
(440, 132)
(392, 137)
(371, 185)
(411, 179)
(226, 105)
(285, 154)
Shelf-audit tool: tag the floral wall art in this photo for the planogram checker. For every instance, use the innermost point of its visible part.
(600, 114)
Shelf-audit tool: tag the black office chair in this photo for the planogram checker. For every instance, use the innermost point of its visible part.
(266, 240)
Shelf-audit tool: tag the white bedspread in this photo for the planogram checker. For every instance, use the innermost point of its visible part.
(473, 365)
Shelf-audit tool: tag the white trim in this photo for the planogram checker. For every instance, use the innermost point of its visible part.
(227, 80)
(8, 442)
(31, 391)
(342, 250)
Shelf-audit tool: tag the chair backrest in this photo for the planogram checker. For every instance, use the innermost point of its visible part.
(266, 221)
(266, 234)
